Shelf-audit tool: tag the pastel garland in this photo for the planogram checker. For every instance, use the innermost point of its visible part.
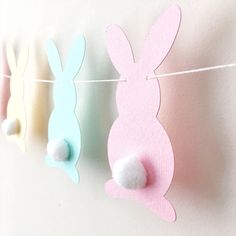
(139, 150)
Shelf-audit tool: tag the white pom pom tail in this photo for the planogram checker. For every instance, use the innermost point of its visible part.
(130, 173)
(58, 149)
(10, 126)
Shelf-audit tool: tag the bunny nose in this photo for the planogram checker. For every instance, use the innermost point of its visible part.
(10, 126)
(130, 173)
(59, 149)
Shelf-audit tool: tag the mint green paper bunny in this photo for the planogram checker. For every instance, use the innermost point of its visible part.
(64, 136)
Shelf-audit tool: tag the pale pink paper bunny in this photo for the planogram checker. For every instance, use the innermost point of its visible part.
(4, 84)
(139, 150)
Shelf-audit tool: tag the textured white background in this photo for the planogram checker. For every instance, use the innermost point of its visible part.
(198, 112)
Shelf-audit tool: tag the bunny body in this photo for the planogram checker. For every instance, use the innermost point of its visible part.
(16, 107)
(16, 110)
(63, 123)
(137, 132)
(143, 137)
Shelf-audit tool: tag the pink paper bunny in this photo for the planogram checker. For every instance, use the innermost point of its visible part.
(4, 85)
(139, 150)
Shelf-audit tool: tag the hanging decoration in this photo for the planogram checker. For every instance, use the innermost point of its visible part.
(139, 150)
(4, 86)
(63, 129)
(14, 126)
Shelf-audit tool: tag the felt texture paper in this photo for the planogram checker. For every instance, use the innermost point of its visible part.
(16, 105)
(136, 131)
(63, 123)
(4, 85)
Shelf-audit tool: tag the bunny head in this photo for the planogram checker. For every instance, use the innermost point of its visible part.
(17, 69)
(138, 94)
(64, 89)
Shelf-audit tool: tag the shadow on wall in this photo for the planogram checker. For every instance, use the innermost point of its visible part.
(192, 113)
(96, 113)
(38, 95)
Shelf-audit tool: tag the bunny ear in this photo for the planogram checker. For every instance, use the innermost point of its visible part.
(75, 58)
(160, 39)
(20, 67)
(119, 50)
(11, 59)
(22, 60)
(53, 58)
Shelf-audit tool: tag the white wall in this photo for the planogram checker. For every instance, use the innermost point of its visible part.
(198, 112)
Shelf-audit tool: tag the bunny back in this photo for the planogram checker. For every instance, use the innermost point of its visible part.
(147, 140)
(64, 96)
(16, 110)
(16, 87)
(66, 126)
(16, 106)
(63, 122)
(138, 97)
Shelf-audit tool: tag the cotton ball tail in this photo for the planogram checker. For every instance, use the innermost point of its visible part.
(129, 173)
(10, 127)
(58, 149)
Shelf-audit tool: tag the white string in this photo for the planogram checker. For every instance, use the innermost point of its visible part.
(194, 71)
(79, 81)
(6, 76)
(123, 80)
(98, 81)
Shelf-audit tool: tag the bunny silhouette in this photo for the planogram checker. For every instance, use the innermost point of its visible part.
(139, 150)
(14, 126)
(4, 85)
(63, 129)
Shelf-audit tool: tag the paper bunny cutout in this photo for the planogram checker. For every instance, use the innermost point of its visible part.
(14, 126)
(4, 85)
(139, 150)
(63, 128)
